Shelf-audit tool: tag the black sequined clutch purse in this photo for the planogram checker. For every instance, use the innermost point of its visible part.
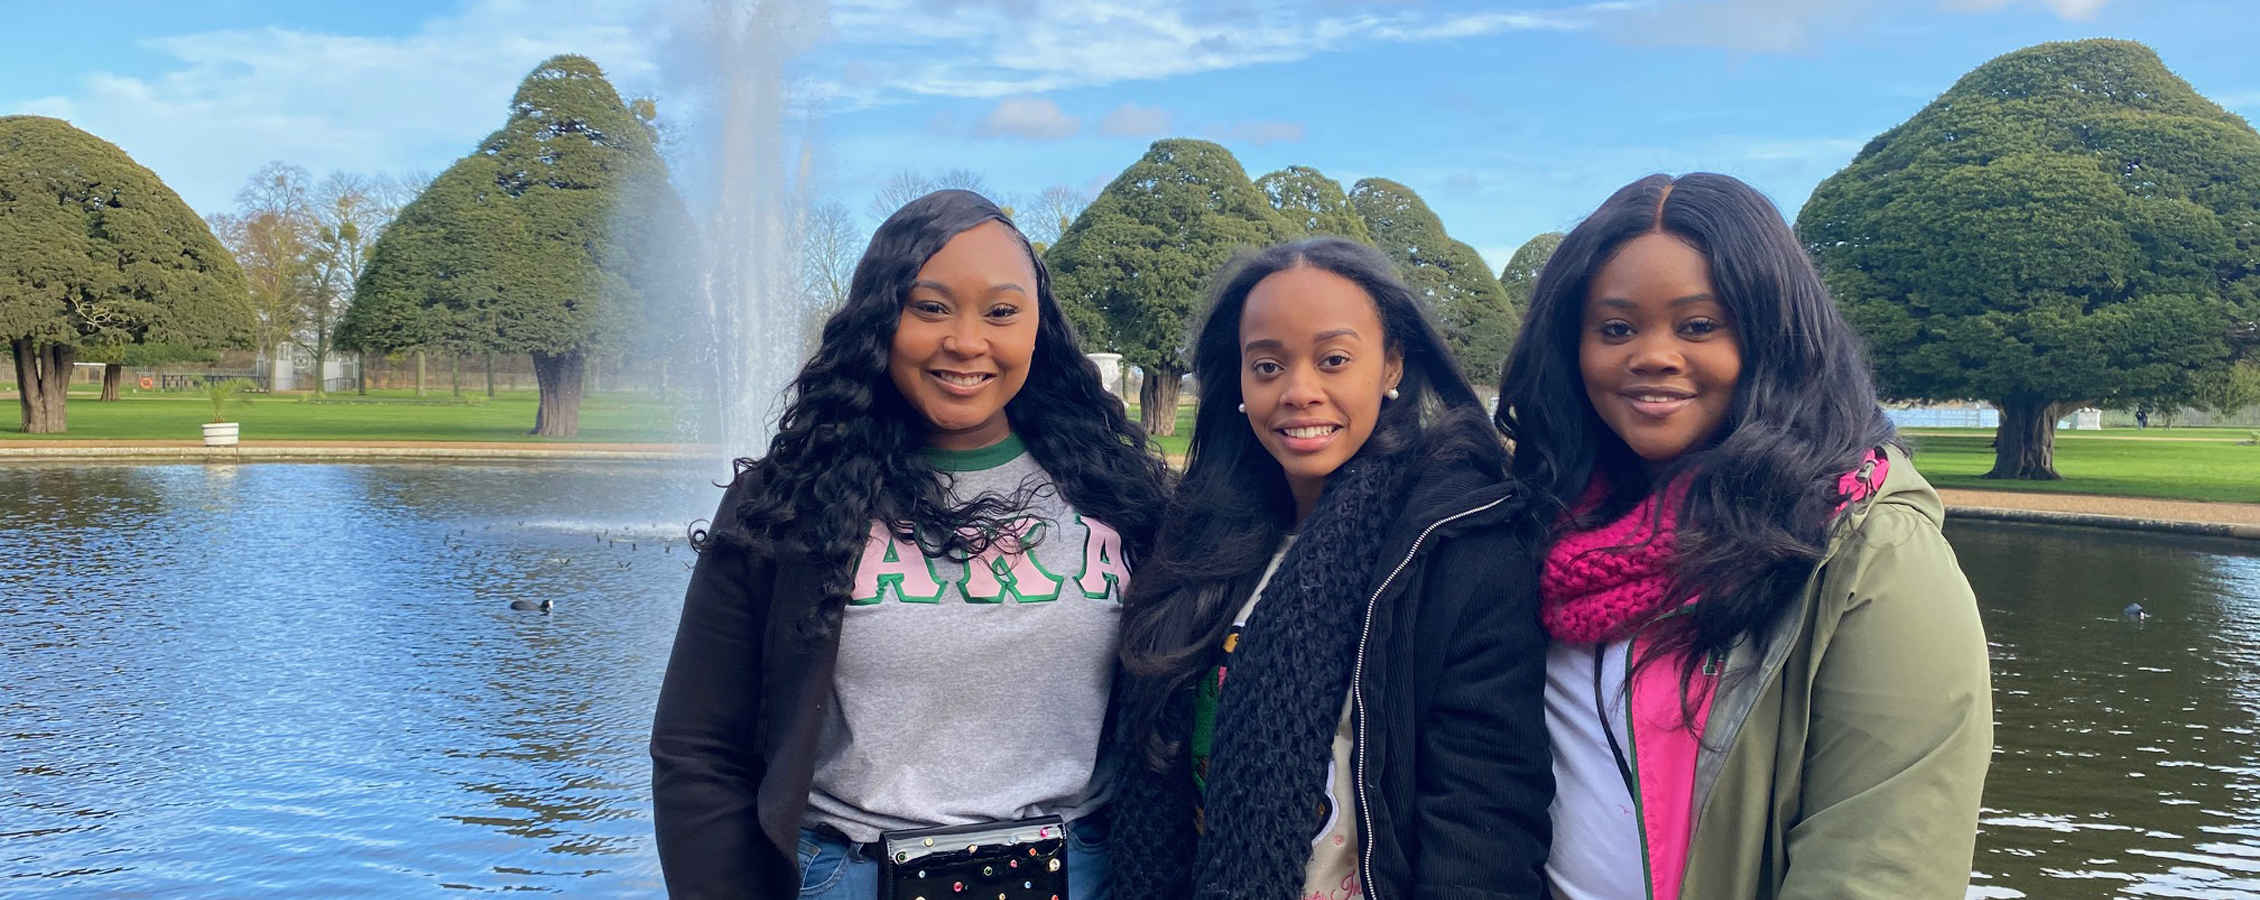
(1023, 859)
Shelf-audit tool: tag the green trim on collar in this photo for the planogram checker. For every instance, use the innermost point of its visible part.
(975, 460)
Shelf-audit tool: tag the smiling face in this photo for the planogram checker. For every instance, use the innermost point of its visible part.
(965, 337)
(1314, 365)
(1657, 350)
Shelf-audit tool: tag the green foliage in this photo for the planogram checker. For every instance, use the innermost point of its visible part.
(1520, 277)
(1449, 276)
(2227, 390)
(2069, 223)
(96, 252)
(1132, 269)
(149, 355)
(546, 239)
(1313, 203)
(226, 394)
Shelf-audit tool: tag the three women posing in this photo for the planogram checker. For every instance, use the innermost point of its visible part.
(1713, 581)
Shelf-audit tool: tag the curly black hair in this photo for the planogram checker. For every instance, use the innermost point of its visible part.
(848, 447)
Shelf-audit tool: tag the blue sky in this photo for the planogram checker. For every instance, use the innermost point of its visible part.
(1509, 118)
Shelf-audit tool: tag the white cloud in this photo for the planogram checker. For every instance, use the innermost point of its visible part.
(1001, 49)
(1032, 118)
(1132, 120)
(236, 99)
(225, 102)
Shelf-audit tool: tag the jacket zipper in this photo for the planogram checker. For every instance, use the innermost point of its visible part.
(1357, 693)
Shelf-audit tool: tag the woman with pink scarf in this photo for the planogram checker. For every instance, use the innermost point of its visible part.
(1766, 675)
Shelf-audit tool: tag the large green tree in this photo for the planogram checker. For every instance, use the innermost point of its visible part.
(2069, 224)
(96, 252)
(1448, 275)
(1520, 277)
(1313, 203)
(1132, 268)
(545, 240)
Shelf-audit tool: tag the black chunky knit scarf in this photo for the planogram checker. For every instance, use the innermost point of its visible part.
(1275, 721)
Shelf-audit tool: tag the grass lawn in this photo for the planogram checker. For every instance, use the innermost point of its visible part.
(623, 418)
(2206, 433)
(2218, 470)
(1175, 445)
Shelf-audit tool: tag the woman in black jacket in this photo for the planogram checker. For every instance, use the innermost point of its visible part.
(1333, 666)
(905, 615)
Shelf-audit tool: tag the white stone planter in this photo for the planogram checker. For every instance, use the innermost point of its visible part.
(221, 434)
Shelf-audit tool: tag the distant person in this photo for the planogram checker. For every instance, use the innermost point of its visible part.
(1334, 665)
(1768, 677)
(906, 614)
(2141, 418)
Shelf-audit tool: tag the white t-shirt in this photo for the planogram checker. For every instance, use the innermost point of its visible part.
(1596, 851)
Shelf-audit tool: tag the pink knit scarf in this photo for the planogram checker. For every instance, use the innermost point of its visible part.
(1602, 584)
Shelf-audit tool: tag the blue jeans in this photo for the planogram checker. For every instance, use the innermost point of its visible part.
(829, 870)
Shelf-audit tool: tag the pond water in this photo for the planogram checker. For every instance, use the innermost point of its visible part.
(306, 680)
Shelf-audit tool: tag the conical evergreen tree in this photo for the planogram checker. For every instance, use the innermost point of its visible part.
(97, 253)
(2070, 223)
(1133, 268)
(538, 242)
(1469, 305)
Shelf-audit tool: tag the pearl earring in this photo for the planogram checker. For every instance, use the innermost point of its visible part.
(1243, 407)
(1392, 394)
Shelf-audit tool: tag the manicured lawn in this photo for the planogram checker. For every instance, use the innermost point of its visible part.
(2209, 433)
(625, 418)
(1174, 445)
(2112, 465)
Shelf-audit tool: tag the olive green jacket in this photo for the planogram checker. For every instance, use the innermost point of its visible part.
(1845, 756)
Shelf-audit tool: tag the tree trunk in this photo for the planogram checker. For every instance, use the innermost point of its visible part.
(361, 373)
(321, 366)
(1157, 399)
(43, 383)
(490, 374)
(455, 372)
(112, 375)
(419, 373)
(2024, 447)
(560, 378)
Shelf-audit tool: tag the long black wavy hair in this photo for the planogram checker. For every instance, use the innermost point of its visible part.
(1762, 493)
(848, 448)
(1233, 508)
